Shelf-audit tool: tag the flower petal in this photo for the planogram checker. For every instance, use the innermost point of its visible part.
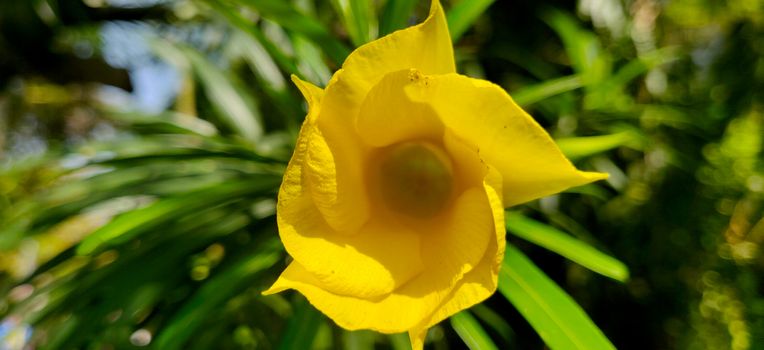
(453, 253)
(386, 107)
(456, 244)
(397, 312)
(426, 47)
(371, 263)
(508, 139)
(334, 171)
(312, 94)
(480, 282)
(291, 185)
(336, 181)
(367, 263)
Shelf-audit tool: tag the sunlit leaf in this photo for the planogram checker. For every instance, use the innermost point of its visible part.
(583, 47)
(141, 220)
(234, 106)
(557, 318)
(534, 93)
(464, 14)
(566, 245)
(310, 63)
(494, 320)
(236, 19)
(471, 332)
(286, 15)
(580, 147)
(359, 19)
(213, 294)
(302, 327)
(396, 15)
(166, 122)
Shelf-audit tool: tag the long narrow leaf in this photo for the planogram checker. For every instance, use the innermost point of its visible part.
(541, 91)
(566, 245)
(395, 15)
(235, 18)
(212, 295)
(138, 221)
(583, 47)
(463, 15)
(233, 105)
(359, 19)
(283, 13)
(557, 318)
(302, 327)
(471, 332)
(493, 320)
(400, 341)
(580, 147)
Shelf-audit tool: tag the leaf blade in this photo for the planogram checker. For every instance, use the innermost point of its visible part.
(463, 15)
(561, 243)
(580, 147)
(395, 16)
(557, 318)
(531, 94)
(471, 332)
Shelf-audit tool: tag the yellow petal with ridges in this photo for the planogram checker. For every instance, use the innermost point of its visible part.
(425, 47)
(312, 94)
(481, 282)
(366, 263)
(507, 138)
(387, 107)
(338, 194)
(333, 167)
(415, 301)
(291, 185)
(373, 262)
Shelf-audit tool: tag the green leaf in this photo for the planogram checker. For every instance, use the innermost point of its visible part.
(145, 219)
(359, 19)
(310, 63)
(580, 147)
(302, 327)
(400, 341)
(233, 104)
(283, 13)
(282, 59)
(396, 15)
(358, 340)
(473, 335)
(213, 294)
(463, 15)
(582, 46)
(531, 94)
(557, 318)
(566, 245)
(166, 121)
(492, 319)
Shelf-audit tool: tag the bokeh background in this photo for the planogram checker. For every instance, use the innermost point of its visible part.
(142, 142)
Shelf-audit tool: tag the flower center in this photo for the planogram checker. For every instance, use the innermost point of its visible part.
(416, 179)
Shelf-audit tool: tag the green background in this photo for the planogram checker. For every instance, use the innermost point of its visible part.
(142, 144)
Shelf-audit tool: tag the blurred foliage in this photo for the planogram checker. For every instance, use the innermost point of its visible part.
(142, 143)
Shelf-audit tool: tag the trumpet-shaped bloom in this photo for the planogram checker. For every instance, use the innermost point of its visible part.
(392, 205)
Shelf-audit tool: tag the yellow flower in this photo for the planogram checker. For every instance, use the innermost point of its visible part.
(393, 203)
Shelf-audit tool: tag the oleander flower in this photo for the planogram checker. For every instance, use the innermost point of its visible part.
(392, 205)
